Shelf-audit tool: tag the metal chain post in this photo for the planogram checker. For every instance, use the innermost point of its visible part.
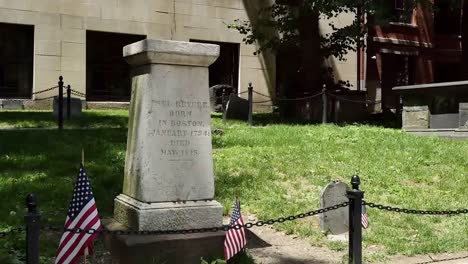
(250, 98)
(355, 229)
(68, 101)
(324, 104)
(60, 103)
(32, 230)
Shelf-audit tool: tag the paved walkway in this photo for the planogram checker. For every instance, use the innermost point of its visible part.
(268, 246)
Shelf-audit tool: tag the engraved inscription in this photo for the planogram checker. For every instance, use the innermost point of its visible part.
(180, 127)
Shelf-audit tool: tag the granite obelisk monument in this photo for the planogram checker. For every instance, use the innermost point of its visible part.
(168, 180)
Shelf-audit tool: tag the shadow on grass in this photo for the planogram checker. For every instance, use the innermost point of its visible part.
(46, 162)
(265, 119)
(42, 119)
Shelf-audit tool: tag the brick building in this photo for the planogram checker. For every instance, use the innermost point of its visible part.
(417, 47)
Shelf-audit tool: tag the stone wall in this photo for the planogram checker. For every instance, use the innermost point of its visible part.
(60, 32)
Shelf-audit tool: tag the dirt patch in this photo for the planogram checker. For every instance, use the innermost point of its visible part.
(268, 246)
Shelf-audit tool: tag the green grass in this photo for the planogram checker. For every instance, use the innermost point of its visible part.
(278, 170)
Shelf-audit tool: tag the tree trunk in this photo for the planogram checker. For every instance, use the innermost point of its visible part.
(310, 50)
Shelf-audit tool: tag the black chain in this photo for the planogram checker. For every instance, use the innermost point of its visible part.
(46, 90)
(80, 94)
(413, 211)
(201, 230)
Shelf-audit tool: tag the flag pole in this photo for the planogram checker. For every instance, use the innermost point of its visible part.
(85, 254)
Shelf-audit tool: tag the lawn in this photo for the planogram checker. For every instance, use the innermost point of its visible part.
(278, 170)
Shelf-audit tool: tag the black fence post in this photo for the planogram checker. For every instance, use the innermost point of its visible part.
(60, 103)
(32, 230)
(355, 197)
(324, 104)
(68, 101)
(250, 99)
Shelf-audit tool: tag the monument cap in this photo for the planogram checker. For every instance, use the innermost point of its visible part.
(151, 51)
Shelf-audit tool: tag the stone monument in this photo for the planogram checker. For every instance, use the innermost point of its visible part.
(168, 181)
(335, 222)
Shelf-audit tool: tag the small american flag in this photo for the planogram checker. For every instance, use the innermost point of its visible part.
(83, 214)
(364, 219)
(235, 238)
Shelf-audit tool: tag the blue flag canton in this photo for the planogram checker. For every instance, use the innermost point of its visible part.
(236, 215)
(82, 194)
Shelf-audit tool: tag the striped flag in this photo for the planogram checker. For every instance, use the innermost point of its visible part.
(83, 214)
(364, 219)
(235, 239)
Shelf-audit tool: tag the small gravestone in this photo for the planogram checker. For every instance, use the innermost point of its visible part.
(219, 95)
(237, 108)
(335, 222)
(75, 107)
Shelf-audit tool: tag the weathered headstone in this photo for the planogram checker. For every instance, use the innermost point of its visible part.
(237, 108)
(168, 181)
(219, 95)
(334, 222)
(75, 106)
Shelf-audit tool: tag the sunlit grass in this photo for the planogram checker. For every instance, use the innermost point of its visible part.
(278, 170)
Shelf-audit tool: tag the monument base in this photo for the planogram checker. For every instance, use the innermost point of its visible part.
(181, 248)
(168, 215)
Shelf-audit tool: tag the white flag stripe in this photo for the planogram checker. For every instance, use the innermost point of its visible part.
(239, 237)
(82, 241)
(232, 244)
(92, 216)
(78, 218)
(63, 237)
(229, 244)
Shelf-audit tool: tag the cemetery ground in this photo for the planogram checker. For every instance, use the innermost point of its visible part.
(278, 170)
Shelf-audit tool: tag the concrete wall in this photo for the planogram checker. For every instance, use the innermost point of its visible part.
(345, 70)
(60, 32)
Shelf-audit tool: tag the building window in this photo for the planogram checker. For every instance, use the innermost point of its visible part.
(447, 17)
(225, 70)
(448, 72)
(16, 60)
(107, 73)
(403, 11)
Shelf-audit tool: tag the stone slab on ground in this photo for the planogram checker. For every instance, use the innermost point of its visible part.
(445, 258)
(106, 105)
(11, 104)
(444, 133)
